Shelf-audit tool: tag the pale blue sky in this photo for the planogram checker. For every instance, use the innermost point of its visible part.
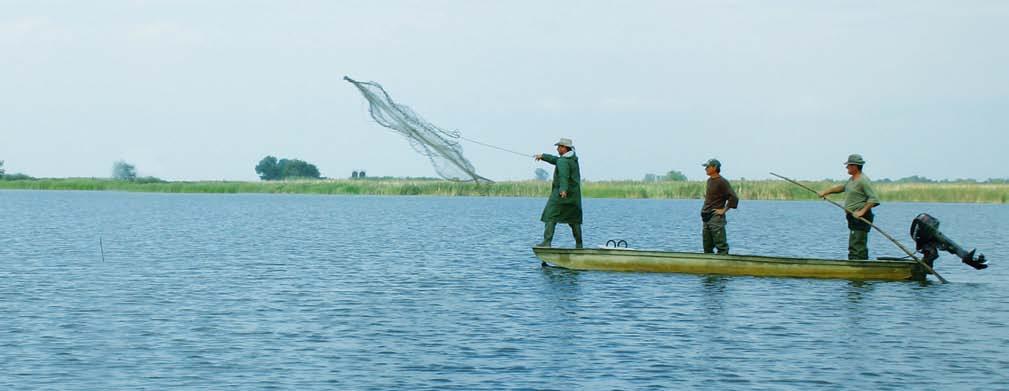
(204, 89)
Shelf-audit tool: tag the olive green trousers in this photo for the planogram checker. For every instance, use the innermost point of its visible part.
(548, 233)
(858, 244)
(714, 235)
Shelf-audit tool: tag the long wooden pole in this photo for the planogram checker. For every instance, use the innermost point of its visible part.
(906, 251)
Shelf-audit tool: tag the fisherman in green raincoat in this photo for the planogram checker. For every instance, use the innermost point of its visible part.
(565, 204)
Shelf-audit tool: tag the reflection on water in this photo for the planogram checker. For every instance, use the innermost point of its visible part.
(321, 292)
(561, 279)
(714, 285)
(713, 294)
(856, 289)
(560, 288)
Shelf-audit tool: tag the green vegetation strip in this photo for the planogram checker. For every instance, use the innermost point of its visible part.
(750, 190)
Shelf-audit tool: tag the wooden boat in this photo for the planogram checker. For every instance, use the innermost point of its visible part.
(629, 260)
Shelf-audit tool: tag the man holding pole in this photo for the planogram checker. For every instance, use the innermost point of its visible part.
(565, 204)
(859, 200)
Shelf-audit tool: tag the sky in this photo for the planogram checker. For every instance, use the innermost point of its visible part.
(202, 90)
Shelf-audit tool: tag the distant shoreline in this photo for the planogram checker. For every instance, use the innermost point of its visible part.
(750, 190)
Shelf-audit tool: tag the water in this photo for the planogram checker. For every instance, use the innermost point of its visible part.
(329, 292)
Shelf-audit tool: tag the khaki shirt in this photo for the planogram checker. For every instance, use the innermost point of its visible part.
(859, 192)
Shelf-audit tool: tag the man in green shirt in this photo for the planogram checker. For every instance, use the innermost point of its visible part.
(859, 199)
(718, 199)
(565, 204)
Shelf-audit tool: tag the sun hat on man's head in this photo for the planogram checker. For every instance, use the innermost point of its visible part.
(855, 159)
(565, 142)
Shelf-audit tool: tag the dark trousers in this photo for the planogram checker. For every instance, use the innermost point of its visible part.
(550, 226)
(858, 236)
(858, 244)
(714, 235)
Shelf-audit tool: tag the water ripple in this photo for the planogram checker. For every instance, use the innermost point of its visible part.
(375, 293)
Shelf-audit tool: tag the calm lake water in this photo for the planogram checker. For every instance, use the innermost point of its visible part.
(333, 292)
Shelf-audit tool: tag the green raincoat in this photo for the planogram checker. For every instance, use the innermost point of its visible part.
(567, 177)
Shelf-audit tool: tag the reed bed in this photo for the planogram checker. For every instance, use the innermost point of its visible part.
(750, 190)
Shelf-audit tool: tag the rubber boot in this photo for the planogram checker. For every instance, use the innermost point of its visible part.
(576, 230)
(548, 234)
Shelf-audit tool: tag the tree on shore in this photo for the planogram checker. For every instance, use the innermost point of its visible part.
(271, 169)
(267, 169)
(1, 168)
(671, 176)
(295, 168)
(123, 171)
(542, 175)
(675, 176)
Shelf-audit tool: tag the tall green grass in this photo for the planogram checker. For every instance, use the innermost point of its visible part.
(750, 190)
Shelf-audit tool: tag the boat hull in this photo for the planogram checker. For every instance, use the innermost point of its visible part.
(749, 265)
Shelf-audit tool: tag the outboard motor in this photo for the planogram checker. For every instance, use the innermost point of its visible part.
(928, 240)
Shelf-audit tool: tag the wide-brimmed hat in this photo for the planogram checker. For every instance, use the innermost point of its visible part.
(855, 159)
(712, 162)
(565, 142)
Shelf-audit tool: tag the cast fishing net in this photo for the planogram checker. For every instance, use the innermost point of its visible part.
(439, 145)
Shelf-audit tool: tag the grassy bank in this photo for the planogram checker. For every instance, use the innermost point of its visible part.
(752, 190)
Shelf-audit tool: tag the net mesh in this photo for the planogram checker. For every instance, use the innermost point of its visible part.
(439, 145)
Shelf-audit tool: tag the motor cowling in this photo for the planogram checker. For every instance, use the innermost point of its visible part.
(929, 241)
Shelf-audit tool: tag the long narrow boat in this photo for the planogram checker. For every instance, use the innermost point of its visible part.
(619, 259)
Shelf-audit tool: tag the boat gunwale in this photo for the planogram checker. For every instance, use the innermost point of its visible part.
(726, 257)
